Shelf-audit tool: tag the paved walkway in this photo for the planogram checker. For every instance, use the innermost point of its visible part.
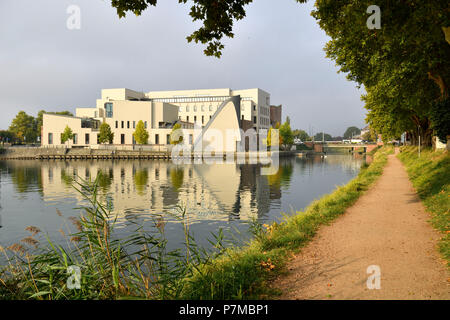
(387, 227)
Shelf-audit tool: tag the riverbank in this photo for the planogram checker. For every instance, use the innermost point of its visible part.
(119, 153)
(246, 272)
(37, 276)
(387, 232)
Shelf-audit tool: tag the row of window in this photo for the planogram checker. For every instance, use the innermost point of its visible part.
(195, 119)
(128, 124)
(122, 139)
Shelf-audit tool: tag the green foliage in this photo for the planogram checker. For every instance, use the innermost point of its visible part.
(351, 132)
(105, 135)
(23, 127)
(66, 135)
(403, 66)
(440, 119)
(430, 175)
(272, 139)
(176, 135)
(319, 136)
(141, 134)
(301, 134)
(6, 136)
(217, 18)
(287, 137)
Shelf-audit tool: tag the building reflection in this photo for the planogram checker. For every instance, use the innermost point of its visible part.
(219, 191)
(143, 189)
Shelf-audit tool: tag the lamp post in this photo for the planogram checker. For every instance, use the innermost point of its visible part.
(418, 133)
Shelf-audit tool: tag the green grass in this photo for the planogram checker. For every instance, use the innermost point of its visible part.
(430, 175)
(247, 272)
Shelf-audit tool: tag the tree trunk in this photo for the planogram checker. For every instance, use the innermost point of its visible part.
(440, 82)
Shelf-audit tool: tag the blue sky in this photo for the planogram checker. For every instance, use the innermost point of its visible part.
(278, 47)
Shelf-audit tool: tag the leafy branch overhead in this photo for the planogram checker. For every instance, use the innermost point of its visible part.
(218, 17)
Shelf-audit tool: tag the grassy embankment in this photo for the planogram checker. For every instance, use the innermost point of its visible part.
(141, 267)
(430, 175)
(245, 272)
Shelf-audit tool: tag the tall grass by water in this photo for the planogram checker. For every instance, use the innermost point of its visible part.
(430, 175)
(141, 267)
(138, 267)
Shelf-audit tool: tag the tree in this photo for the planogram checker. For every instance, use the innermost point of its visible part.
(141, 134)
(301, 134)
(67, 135)
(319, 136)
(351, 132)
(23, 127)
(176, 136)
(287, 138)
(217, 16)
(105, 135)
(272, 135)
(403, 66)
(6, 136)
(440, 119)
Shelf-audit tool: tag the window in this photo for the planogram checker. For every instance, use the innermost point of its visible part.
(134, 124)
(86, 138)
(122, 123)
(254, 107)
(122, 139)
(156, 138)
(203, 108)
(168, 139)
(117, 124)
(109, 110)
(254, 119)
(195, 118)
(187, 108)
(203, 119)
(133, 139)
(145, 124)
(50, 138)
(75, 138)
(95, 114)
(191, 139)
(187, 119)
(128, 124)
(98, 139)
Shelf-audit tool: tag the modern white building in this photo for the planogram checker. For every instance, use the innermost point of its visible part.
(160, 111)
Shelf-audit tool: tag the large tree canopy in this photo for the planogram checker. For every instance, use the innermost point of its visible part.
(403, 66)
(217, 16)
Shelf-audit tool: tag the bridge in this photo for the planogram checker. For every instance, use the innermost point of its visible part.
(321, 147)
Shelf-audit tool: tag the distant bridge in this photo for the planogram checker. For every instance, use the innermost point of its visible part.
(321, 147)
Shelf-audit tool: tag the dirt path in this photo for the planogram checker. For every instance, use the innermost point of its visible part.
(386, 227)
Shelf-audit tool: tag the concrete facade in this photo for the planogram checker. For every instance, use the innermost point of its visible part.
(123, 108)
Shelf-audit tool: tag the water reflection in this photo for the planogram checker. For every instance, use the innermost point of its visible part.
(142, 190)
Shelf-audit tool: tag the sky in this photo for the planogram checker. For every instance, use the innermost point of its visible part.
(277, 47)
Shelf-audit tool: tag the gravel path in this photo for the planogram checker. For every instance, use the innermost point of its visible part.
(388, 228)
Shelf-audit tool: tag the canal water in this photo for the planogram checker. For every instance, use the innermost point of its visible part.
(219, 196)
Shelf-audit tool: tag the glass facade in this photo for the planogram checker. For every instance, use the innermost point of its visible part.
(109, 110)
